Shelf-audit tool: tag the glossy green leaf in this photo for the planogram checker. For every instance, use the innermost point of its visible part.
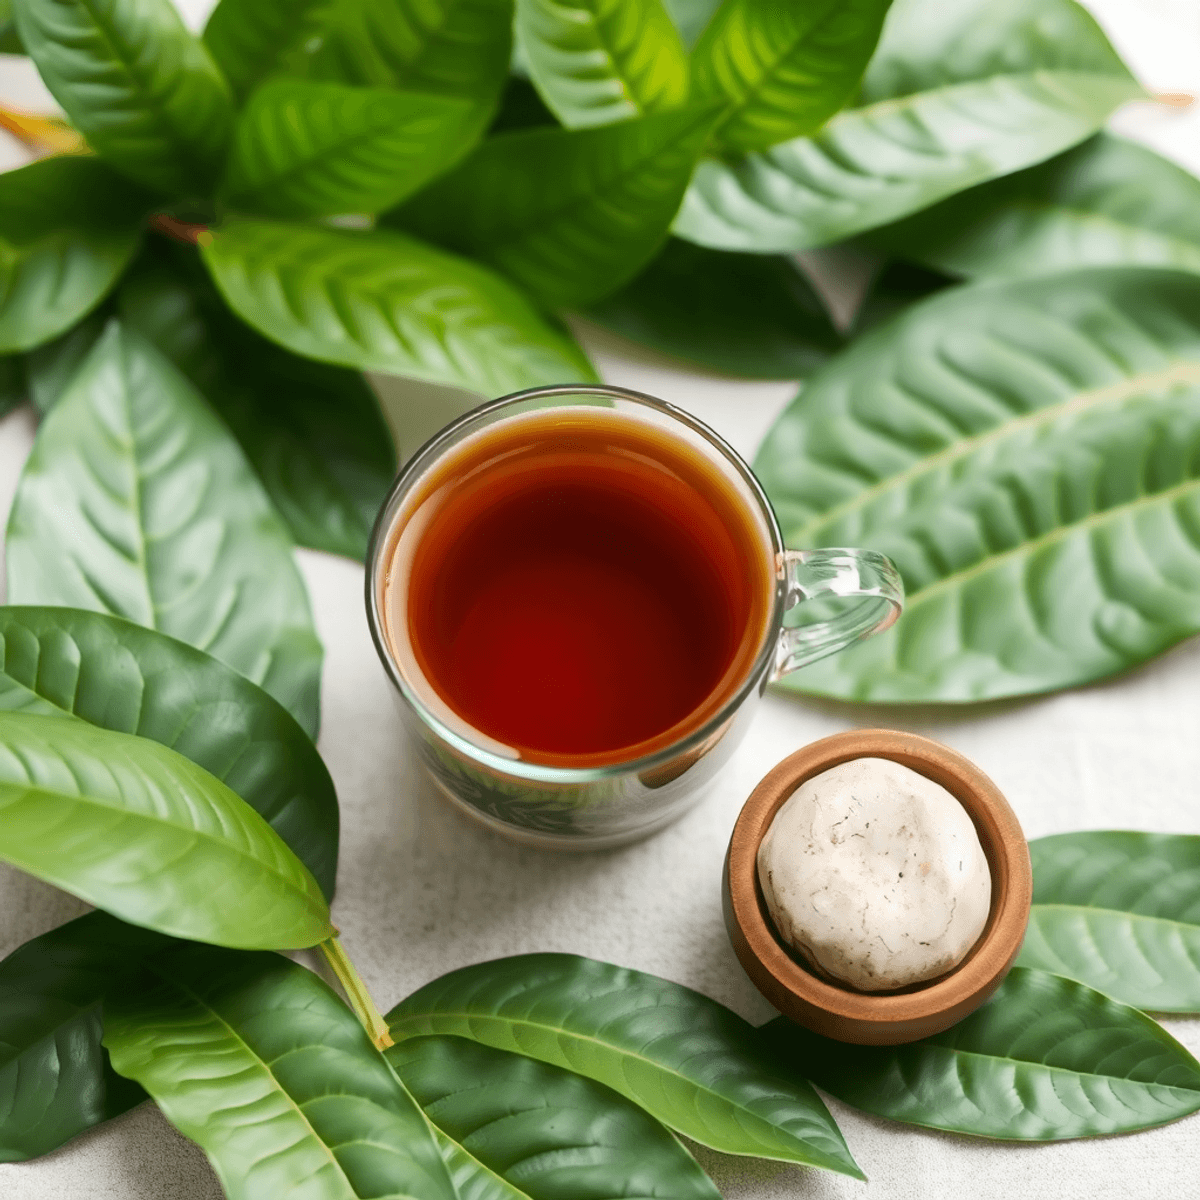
(1106, 202)
(385, 302)
(313, 432)
(746, 314)
(570, 214)
(142, 832)
(10, 41)
(514, 1128)
(691, 17)
(303, 149)
(120, 676)
(959, 92)
(693, 1064)
(50, 368)
(600, 61)
(1119, 911)
(55, 1077)
(785, 69)
(1045, 1059)
(256, 1060)
(139, 87)
(252, 41)
(1028, 454)
(454, 47)
(68, 228)
(136, 501)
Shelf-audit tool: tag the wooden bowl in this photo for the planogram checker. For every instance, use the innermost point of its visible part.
(888, 1018)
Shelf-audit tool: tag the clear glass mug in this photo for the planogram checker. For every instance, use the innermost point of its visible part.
(589, 808)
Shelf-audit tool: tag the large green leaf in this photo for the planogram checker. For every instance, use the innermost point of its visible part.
(599, 61)
(693, 1064)
(256, 1060)
(313, 432)
(120, 676)
(1121, 912)
(68, 228)
(1028, 453)
(381, 301)
(142, 832)
(959, 92)
(570, 214)
(137, 501)
(785, 69)
(251, 42)
(10, 41)
(456, 47)
(136, 84)
(1108, 201)
(55, 1077)
(747, 314)
(514, 1128)
(13, 383)
(1044, 1059)
(304, 149)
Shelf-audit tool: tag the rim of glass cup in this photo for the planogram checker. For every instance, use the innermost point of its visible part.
(521, 768)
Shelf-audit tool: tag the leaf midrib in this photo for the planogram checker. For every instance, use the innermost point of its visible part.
(439, 1132)
(956, 578)
(558, 1032)
(49, 795)
(1183, 372)
(878, 108)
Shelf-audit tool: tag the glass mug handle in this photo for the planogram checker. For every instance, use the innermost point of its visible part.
(835, 572)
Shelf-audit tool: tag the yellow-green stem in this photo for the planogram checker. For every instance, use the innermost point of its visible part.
(356, 992)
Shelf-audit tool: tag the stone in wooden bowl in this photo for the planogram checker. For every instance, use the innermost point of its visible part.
(879, 1018)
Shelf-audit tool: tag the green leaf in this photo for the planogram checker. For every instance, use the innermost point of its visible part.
(10, 41)
(313, 432)
(68, 228)
(690, 17)
(142, 832)
(513, 1128)
(138, 86)
(13, 383)
(599, 61)
(256, 1060)
(119, 676)
(1106, 202)
(1121, 912)
(136, 501)
(693, 1064)
(784, 68)
(1025, 452)
(454, 47)
(381, 301)
(55, 1078)
(520, 108)
(50, 368)
(744, 314)
(959, 92)
(250, 42)
(305, 149)
(570, 214)
(1044, 1059)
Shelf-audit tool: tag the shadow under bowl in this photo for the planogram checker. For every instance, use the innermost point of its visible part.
(880, 1018)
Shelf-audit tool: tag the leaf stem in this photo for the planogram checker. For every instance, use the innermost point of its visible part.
(356, 992)
(190, 233)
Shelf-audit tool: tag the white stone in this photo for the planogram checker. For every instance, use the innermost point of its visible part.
(876, 875)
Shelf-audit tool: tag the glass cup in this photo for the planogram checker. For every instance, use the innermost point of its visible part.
(593, 807)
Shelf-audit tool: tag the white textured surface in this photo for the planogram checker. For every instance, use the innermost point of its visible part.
(421, 891)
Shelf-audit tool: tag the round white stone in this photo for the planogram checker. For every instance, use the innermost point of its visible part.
(876, 875)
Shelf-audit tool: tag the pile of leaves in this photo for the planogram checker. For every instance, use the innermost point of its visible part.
(311, 190)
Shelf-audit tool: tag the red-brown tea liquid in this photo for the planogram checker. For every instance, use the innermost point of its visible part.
(585, 588)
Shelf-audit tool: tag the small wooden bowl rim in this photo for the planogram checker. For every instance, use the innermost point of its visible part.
(893, 1017)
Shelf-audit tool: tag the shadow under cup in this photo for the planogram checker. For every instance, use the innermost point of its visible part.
(579, 594)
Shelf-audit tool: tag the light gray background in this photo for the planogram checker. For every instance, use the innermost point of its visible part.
(421, 891)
